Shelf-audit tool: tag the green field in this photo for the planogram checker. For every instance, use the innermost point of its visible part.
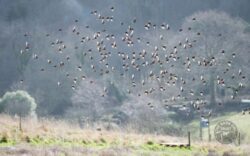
(241, 121)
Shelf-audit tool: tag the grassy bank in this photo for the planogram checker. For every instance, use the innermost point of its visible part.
(241, 121)
(60, 138)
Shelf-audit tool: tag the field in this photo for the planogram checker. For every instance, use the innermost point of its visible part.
(241, 121)
(53, 137)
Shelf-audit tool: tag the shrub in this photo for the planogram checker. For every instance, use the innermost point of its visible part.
(18, 102)
(150, 142)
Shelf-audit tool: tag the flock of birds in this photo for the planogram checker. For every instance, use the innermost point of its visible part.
(162, 63)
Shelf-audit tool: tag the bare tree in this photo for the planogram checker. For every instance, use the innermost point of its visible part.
(218, 49)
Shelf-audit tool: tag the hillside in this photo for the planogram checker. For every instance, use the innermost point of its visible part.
(125, 77)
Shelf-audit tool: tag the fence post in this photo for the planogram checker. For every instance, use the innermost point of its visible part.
(209, 133)
(20, 123)
(200, 132)
(189, 139)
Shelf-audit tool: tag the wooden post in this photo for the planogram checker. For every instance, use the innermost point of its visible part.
(200, 131)
(189, 139)
(20, 123)
(209, 134)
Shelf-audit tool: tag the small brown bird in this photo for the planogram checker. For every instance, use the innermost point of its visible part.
(112, 8)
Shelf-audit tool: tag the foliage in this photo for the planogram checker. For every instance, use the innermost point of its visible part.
(115, 92)
(18, 102)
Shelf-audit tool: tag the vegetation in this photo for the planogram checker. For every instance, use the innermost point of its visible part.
(241, 121)
(18, 103)
(60, 137)
(18, 18)
(122, 76)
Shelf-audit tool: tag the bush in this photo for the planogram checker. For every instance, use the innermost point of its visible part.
(18, 102)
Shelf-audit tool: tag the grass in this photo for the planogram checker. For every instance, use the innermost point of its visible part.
(241, 121)
(62, 138)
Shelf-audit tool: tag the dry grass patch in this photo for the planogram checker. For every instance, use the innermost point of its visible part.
(55, 137)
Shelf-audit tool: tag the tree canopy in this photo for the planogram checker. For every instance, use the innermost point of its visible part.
(18, 103)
